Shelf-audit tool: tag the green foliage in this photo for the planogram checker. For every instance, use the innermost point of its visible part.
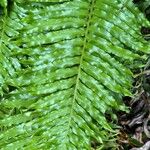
(64, 67)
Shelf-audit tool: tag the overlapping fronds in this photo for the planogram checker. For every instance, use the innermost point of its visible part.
(64, 67)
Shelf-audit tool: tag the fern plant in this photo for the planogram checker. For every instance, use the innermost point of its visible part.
(64, 67)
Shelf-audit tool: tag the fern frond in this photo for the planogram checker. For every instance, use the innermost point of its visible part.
(65, 66)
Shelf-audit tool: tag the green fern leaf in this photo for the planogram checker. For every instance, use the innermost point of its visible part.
(64, 66)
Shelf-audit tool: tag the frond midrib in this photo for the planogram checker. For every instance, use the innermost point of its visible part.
(87, 26)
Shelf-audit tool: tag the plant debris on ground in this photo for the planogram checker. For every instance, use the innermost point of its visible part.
(135, 131)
